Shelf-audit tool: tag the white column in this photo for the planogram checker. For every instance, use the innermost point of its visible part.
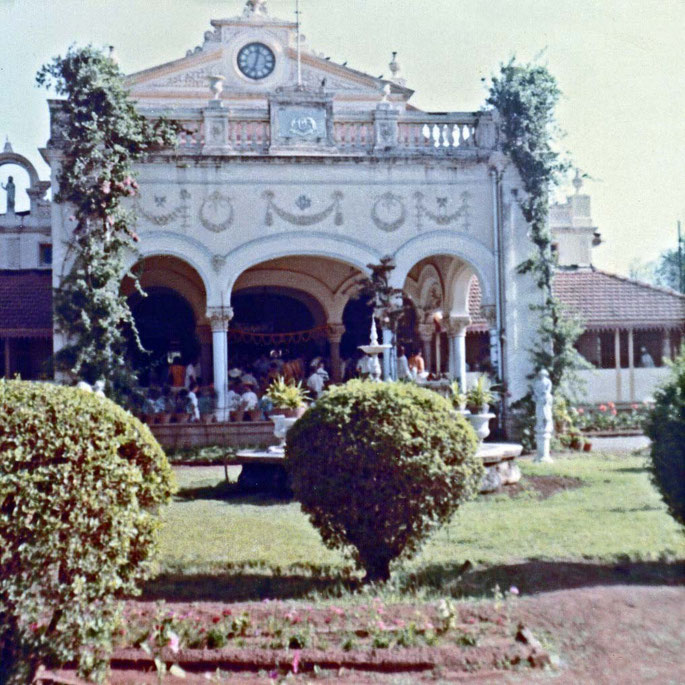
(666, 352)
(631, 364)
(425, 331)
(219, 319)
(490, 314)
(456, 332)
(387, 356)
(617, 355)
(335, 334)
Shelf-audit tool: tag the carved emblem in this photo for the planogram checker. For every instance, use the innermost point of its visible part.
(303, 202)
(303, 219)
(388, 212)
(216, 212)
(303, 127)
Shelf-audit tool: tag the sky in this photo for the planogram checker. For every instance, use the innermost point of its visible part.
(619, 63)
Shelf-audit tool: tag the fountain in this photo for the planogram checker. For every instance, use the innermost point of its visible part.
(372, 351)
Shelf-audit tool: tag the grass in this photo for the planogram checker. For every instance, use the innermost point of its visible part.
(615, 516)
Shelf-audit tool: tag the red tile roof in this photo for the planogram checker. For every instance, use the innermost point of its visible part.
(604, 300)
(25, 304)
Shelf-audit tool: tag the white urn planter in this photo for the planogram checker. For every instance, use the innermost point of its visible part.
(481, 424)
(282, 424)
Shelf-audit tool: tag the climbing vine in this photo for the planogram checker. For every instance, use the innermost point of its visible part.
(525, 96)
(100, 136)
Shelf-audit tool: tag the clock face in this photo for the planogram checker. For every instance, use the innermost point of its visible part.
(256, 60)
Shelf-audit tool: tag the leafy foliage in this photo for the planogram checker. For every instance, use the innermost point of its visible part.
(80, 483)
(101, 136)
(525, 97)
(669, 267)
(377, 467)
(287, 395)
(665, 426)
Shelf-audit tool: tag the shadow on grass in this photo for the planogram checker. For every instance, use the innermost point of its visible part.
(242, 584)
(632, 469)
(231, 493)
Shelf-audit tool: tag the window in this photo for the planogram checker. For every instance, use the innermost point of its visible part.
(45, 254)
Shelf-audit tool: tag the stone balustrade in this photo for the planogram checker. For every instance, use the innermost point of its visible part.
(223, 131)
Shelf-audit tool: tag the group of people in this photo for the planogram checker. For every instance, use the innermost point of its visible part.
(185, 398)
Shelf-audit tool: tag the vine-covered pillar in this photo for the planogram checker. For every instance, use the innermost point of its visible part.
(456, 335)
(219, 320)
(335, 334)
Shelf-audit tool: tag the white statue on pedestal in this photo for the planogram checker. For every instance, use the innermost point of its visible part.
(542, 392)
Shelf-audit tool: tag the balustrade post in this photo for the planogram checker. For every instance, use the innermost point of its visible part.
(216, 129)
(385, 126)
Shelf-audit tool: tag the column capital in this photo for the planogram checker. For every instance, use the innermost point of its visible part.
(219, 318)
(489, 312)
(456, 326)
(425, 331)
(335, 332)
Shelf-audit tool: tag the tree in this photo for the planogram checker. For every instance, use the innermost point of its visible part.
(102, 135)
(525, 96)
(668, 270)
(377, 467)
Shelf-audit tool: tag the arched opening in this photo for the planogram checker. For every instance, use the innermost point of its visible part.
(452, 329)
(167, 328)
(275, 322)
(170, 318)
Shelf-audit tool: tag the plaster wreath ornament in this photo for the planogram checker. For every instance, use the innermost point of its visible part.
(216, 212)
(303, 219)
(388, 212)
(158, 219)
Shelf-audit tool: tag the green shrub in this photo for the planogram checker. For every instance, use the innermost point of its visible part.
(665, 426)
(378, 466)
(80, 483)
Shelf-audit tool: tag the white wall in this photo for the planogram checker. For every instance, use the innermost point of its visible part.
(603, 385)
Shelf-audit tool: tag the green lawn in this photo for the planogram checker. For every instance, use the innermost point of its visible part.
(615, 516)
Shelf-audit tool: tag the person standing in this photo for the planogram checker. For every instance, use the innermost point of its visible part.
(403, 371)
(177, 373)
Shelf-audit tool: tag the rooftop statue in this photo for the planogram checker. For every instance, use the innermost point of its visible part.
(11, 189)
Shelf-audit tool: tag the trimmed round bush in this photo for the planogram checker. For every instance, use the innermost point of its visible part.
(378, 466)
(665, 426)
(81, 481)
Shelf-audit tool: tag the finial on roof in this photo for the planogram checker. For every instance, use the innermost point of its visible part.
(255, 7)
(394, 65)
(8, 145)
(577, 181)
(113, 55)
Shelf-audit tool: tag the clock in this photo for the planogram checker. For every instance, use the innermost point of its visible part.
(256, 61)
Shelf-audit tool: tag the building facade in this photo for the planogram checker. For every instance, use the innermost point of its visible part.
(292, 175)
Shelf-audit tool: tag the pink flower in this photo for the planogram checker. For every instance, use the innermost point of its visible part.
(173, 642)
(635, 406)
(33, 627)
(106, 187)
(602, 407)
(513, 590)
(337, 611)
(296, 661)
(611, 405)
(581, 410)
(613, 412)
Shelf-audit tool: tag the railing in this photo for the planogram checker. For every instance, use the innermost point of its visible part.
(412, 133)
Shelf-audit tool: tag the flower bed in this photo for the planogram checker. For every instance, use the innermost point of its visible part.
(608, 419)
(277, 638)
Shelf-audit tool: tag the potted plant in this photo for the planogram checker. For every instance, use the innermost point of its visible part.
(458, 398)
(479, 396)
(288, 399)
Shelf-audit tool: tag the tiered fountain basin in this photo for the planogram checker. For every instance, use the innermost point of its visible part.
(265, 469)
